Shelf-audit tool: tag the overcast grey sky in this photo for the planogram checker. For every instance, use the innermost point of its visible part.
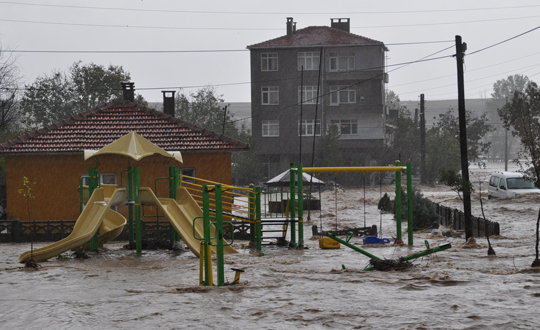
(225, 28)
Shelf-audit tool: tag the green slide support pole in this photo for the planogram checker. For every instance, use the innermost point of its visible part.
(354, 247)
(426, 252)
(292, 206)
(131, 228)
(206, 231)
(219, 236)
(398, 204)
(258, 217)
(92, 185)
(138, 229)
(251, 210)
(173, 185)
(409, 205)
(300, 207)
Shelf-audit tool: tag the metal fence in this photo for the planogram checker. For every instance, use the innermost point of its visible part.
(455, 219)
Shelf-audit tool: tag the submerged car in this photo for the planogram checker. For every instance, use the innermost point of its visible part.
(510, 184)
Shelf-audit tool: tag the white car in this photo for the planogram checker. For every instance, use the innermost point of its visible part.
(510, 184)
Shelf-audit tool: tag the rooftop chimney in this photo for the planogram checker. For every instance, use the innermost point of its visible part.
(342, 24)
(128, 90)
(168, 102)
(291, 27)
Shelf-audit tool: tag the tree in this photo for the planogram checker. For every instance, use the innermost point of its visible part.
(51, 98)
(522, 115)
(503, 89)
(202, 108)
(9, 112)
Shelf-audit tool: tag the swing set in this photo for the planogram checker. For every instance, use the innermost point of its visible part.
(297, 193)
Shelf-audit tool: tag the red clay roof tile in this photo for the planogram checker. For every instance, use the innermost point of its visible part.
(95, 128)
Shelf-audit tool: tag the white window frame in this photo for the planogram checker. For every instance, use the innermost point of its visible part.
(270, 128)
(269, 62)
(310, 61)
(86, 178)
(270, 95)
(308, 127)
(310, 95)
(342, 95)
(342, 61)
(346, 127)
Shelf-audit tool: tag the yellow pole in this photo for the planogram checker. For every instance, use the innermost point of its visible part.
(210, 270)
(201, 263)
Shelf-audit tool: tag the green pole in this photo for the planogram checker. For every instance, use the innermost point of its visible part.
(292, 205)
(258, 224)
(300, 207)
(130, 205)
(251, 197)
(409, 205)
(354, 247)
(219, 236)
(398, 204)
(173, 186)
(92, 185)
(206, 231)
(138, 229)
(426, 252)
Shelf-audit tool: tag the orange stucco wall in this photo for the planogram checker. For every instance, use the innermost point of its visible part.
(57, 179)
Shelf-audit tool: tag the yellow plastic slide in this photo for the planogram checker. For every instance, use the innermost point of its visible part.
(96, 214)
(180, 213)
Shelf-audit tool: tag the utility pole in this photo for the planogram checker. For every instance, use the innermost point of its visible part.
(460, 50)
(224, 119)
(506, 145)
(422, 139)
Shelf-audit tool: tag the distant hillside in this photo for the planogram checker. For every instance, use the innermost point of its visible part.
(437, 107)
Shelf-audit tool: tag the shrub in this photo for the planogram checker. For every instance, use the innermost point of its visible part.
(386, 204)
(424, 211)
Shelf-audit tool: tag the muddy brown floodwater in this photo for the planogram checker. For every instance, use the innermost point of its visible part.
(459, 288)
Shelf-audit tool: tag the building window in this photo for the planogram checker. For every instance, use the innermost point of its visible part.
(308, 127)
(309, 60)
(104, 178)
(269, 62)
(341, 61)
(270, 95)
(188, 172)
(362, 100)
(270, 128)
(342, 94)
(346, 126)
(310, 95)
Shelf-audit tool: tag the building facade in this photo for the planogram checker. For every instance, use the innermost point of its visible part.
(343, 71)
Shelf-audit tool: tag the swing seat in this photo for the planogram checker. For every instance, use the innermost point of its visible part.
(328, 243)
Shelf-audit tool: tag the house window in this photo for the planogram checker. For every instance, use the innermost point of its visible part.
(342, 94)
(270, 95)
(105, 178)
(346, 126)
(341, 61)
(310, 95)
(309, 60)
(188, 172)
(362, 100)
(269, 62)
(270, 128)
(308, 127)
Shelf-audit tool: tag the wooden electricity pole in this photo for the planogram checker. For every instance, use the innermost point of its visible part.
(460, 50)
(422, 139)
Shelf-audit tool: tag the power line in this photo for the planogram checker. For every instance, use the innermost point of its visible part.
(268, 13)
(506, 40)
(126, 26)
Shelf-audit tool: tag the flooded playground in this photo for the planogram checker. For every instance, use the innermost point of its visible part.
(460, 288)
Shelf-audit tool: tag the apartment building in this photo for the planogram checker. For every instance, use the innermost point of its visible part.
(285, 82)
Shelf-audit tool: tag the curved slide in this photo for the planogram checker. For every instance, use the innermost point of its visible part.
(96, 214)
(180, 213)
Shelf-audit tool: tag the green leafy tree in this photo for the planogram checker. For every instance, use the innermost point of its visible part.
(202, 108)
(503, 90)
(246, 167)
(60, 95)
(522, 115)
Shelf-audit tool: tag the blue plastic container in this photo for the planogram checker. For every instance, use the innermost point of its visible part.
(376, 240)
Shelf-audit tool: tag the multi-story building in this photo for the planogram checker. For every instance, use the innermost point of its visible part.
(285, 83)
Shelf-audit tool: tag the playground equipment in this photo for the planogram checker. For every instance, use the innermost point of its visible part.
(96, 215)
(395, 262)
(297, 193)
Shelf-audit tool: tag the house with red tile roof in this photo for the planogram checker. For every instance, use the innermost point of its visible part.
(53, 156)
(345, 71)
